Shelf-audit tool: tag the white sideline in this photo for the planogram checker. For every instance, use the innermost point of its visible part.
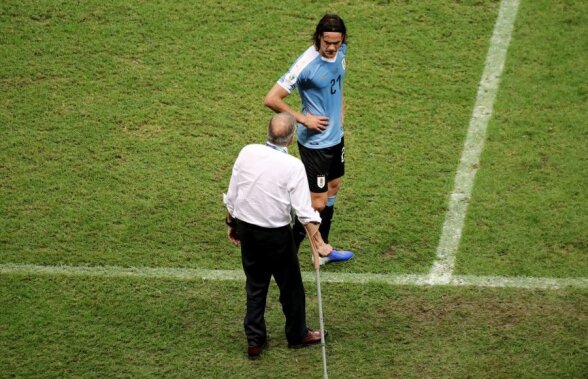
(187, 274)
(442, 269)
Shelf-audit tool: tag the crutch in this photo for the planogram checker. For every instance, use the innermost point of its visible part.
(317, 269)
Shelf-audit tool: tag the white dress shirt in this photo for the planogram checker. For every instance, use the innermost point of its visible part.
(266, 185)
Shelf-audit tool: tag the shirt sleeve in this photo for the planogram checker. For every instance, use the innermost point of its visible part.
(230, 197)
(300, 196)
(289, 79)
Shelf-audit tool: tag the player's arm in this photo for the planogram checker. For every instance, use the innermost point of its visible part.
(275, 101)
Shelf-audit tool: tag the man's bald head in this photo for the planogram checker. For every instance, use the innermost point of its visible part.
(281, 128)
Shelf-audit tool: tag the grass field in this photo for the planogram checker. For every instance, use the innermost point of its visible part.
(120, 121)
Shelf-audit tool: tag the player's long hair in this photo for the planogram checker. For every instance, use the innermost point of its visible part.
(329, 23)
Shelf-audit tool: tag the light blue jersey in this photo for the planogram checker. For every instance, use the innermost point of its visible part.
(320, 84)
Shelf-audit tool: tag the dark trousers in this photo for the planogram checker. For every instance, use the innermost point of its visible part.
(267, 252)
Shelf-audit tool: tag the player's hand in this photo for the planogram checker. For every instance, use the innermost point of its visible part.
(316, 123)
(232, 234)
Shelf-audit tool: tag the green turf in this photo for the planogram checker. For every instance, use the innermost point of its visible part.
(121, 121)
(56, 327)
(528, 215)
(119, 124)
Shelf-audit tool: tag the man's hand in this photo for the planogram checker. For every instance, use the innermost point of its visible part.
(316, 241)
(232, 234)
(325, 249)
(316, 123)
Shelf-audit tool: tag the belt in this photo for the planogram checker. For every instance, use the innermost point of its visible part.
(257, 227)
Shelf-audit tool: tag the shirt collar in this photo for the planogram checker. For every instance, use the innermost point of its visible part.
(283, 149)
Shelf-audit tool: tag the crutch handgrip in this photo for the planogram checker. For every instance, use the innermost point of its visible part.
(314, 237)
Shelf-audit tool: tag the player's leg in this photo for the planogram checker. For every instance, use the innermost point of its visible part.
(325, 203)
(324, 168)
(336, 170)
(316, 166)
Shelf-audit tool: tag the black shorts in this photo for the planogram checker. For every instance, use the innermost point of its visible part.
(323, 165)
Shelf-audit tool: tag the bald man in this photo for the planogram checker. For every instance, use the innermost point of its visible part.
(266, 185)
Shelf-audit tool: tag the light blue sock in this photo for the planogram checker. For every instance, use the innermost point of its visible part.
(331, 200)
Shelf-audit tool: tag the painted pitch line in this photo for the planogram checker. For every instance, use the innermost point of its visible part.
(519, 282)
(124, 272)
(442, 269)
(187, 274)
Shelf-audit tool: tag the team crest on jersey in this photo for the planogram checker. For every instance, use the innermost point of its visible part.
(344, 63)
(290, 78)
(320, 181)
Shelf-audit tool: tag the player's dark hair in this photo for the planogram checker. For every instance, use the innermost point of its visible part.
(329, 23)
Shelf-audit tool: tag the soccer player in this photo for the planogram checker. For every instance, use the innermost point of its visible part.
(318, 75)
